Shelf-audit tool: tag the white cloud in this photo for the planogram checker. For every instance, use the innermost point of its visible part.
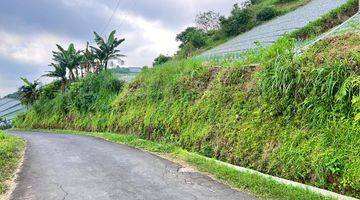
(150, 38)
(33, 49)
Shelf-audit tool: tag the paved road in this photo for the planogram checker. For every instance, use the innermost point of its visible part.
(59, 167)
(269, 32)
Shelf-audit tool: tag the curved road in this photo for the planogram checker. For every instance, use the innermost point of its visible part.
(58, 167)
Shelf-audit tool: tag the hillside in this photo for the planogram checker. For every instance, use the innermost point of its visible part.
(9, 108)
(213, 29)
(286, 115)
(268, 32)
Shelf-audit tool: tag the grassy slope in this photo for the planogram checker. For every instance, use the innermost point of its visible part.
(293, 117)
(11, 149)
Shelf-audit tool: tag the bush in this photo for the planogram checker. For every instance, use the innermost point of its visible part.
(161, 59)
(285, 1)
(238, 22)
(266, 13)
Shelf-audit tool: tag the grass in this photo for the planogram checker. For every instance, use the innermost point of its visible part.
(11, 149)
(251, 183)
(295, 117)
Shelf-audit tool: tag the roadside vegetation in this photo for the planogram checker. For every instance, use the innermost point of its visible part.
(11, 149)
(291, 116)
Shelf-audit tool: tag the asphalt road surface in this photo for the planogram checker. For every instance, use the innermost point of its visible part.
(59, 167)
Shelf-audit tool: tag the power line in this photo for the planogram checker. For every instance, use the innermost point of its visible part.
(112, 15)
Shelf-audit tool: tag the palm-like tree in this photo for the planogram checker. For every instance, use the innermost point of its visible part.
(29, 92)
(88, 60)
(106, 50)
(58, 72)
(69, 58)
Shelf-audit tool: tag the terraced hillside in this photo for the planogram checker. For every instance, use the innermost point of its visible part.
(269, 32)
(350, 25)
(9, 108)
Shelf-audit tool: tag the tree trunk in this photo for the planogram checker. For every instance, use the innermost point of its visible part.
(63, 84)
(105, 64)
(71, 75)
(77, 73)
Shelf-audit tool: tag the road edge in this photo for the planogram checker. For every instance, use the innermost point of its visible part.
(193, 161)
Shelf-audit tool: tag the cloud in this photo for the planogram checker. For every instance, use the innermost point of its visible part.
(29, 30)
(32, 48)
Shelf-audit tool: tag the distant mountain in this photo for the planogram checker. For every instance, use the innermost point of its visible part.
(10, 107)
(126, 73)
(126, 70)
(15, 95)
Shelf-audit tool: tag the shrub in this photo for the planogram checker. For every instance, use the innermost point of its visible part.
(161, 59)
(238, 22)
(266, 13)
(285, 1)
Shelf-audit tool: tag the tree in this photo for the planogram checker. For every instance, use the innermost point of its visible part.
(69, 58)
(267, 13)
(106, 50)
(161, 59)
(58, 72)
(208, 21)
(88, 60)
(193, 36)
(29, 92)
(237, 22)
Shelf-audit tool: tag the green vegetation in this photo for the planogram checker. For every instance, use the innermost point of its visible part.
(328, 21)
(248, 182)
(11, 149)
(161, 59)
(29, 92)
(70, 65)
(295, 117)
(212, 29)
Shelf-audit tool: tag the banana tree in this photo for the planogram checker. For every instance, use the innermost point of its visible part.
(87, 60)
(29, 92)
(106, 50)
(58, 72)
(70, 58)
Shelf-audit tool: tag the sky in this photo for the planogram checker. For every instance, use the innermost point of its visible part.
(30, 29)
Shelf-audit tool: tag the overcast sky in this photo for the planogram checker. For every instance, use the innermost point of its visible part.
(29, 30)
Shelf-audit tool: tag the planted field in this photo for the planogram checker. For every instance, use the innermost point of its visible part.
(267, 33)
